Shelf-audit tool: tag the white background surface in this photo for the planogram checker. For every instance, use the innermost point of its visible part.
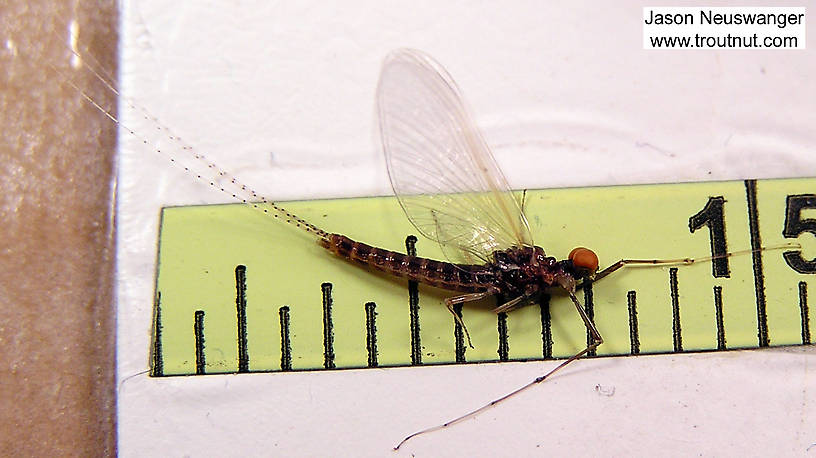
(281, 94)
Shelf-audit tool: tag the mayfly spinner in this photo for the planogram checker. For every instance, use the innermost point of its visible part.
(453, 192)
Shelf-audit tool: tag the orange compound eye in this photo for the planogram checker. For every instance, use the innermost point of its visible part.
(584, 258)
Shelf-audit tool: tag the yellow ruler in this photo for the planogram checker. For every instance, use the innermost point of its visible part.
(238, 291)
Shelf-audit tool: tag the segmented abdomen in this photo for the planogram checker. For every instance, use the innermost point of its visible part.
(455, 277)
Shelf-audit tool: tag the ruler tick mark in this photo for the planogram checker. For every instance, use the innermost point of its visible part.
(371, 333)
(634, 337)
(328, 327)
(805, 314)
(286, 343)
(675, 301)
(413, 305)
(718, 313)
(240, 306)
(198, 331)
(459, 335)
(589, 307)
(756, 255)
(158, 357)
(546, 326)
(504, 346)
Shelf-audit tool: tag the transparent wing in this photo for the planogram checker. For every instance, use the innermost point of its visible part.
(440, 167)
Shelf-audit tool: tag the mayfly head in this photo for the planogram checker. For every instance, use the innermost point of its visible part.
(585, 262)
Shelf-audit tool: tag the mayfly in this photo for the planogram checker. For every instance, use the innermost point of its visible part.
(453, 192)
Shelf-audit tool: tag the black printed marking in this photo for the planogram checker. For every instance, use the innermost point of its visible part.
(328, 327)
(158, 356)
(459, 335)
(795, 226)
(675, 301)
(589, 307)
(805, 314)
(712, 215)
(504, 346)
(546, 326)
(634, 336)
(413, 307)
(240, 306)
(759, 276)
(286, 343)
(718, 313)
(198, 331)
(371, 333)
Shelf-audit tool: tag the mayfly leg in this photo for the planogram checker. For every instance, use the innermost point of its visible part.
(593, 331)
(684, 261)
(516, 303)
(596, 341)
(451, 301)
